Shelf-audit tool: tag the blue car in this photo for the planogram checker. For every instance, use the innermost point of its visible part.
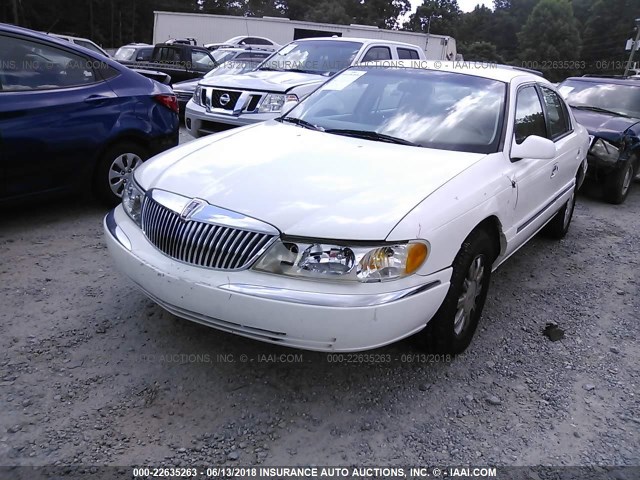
(71, 118)
(610, 109)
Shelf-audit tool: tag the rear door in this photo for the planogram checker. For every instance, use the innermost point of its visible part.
(55, 112)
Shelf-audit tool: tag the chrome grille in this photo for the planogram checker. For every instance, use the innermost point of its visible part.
(199, 243)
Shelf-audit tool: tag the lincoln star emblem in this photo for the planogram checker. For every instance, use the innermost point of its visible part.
(224, 99)
(191, 208)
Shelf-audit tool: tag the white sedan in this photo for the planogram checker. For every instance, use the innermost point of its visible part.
(375, 209)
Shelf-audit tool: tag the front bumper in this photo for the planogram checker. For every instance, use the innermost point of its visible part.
(296, 313)
(201, 122)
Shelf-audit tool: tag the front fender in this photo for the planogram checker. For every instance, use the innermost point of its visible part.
(451, 213)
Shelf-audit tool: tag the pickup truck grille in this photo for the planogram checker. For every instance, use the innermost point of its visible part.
(230, 101)
(199, 243)
(224, 99)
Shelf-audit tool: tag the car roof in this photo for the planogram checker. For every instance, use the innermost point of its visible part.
(365, 41)
(493, 71)
(609, 80)
(4, 27)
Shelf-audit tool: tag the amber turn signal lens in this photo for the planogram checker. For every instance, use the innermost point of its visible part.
(415, 257)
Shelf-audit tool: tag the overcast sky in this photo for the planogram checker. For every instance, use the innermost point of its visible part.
(465, 5)
(468, 5)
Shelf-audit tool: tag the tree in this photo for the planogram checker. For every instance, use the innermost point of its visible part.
(551, 38)
(480, 52)
(440, 17)
(381, 13)
(608, 26)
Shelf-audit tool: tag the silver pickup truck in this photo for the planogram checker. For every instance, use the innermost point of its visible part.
(296, 70)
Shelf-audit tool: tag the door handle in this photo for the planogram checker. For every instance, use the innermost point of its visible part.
(554, 171)
(96, 99)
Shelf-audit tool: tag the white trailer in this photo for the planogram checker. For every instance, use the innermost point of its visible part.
(218, 28)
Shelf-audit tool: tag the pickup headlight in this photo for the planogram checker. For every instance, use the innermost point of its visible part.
(339, 262)
(273, 102)
(132, 200)
(197, 95)
(605, 151)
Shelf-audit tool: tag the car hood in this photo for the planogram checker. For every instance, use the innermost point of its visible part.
(266, 81)
(609, 127)
(306, 183)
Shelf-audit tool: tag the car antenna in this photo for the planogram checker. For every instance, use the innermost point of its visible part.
(53, 25)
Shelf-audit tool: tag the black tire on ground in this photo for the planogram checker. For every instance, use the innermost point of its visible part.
(448, 332)
(559, 226)
(618, 184)
(116, 161)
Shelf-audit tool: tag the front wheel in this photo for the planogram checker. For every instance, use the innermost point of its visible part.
(114, 170)
(618, 184)
(451, 329)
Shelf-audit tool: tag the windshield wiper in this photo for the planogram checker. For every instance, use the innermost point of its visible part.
(270, 69)
(371, 135)
(598, 109)
(301, 122)
(302, 70)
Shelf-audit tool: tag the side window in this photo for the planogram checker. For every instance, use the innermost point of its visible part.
(169, 54)
(144, 54)
(407, 54)
(377, 53)
(557, 115)
(201, 59)
(27, 65)
(529, 117)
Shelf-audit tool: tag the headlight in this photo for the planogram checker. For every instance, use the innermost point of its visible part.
(340, 262)
(605, 151)
(132, 200)
(197, 95)
(273, 102)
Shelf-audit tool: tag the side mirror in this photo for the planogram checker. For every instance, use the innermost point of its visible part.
(534, 147)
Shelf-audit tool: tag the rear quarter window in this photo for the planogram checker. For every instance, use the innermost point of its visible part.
(30, 65)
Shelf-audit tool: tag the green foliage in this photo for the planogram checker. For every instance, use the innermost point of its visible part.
(440, 17)
(551, 38)
(480, 52)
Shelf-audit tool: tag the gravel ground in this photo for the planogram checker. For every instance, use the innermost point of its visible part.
(93, 373)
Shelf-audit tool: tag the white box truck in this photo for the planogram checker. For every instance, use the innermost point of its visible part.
(218, 28)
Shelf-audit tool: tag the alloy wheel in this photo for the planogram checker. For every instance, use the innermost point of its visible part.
(120, 171)
(471, 291)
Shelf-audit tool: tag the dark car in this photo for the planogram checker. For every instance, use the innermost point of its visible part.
(610, 109)
(233, 62)
(70, 118)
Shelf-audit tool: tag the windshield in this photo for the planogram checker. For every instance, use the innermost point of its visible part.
(435, 109)
(622, 99)
(323, 57)
(234, 67)
(90, 46)
(125, 53)
(222, 55)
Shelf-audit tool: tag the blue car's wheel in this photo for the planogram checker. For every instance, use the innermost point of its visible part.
(115, 168)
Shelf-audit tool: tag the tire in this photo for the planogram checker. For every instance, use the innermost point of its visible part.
(451, 329)
(114, 166)
(558, 227)
(618, 184)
